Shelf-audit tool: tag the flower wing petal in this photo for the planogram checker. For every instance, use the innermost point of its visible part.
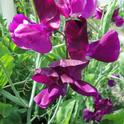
(107, 49)
(48, 96)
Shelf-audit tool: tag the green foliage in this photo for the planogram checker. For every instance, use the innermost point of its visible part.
(65, 112)
(8, 62)
(117, 117)
(106, 21)
(9, 114)
(121, 63)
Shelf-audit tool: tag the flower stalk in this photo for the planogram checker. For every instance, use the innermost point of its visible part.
(32, 92)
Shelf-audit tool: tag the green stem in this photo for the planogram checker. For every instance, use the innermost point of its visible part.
(92, 27)
(12, 98)
(32, 93)
(11, 83)
(54, 114)
(18, 83)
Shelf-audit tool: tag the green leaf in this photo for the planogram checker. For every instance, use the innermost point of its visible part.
(5, 109)
(19, 50)
(65, 112)
(9, 114)
(12, 98)
(108, 16)
(121, 62)
(8, 63)
(117, 117)
(76, 110)
(3, 50)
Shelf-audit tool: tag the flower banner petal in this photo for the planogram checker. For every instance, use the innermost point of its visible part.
(48, 13)
(76, 38)
(89, 8)
(28, 35)
(17, 20)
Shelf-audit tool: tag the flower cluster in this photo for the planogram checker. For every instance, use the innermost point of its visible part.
(37, 36)
(116, 18)
(56, 78)
(101, 107)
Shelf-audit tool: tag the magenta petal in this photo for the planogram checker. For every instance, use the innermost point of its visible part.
(72, 8)
(101, 108)
(119, 21)
(42, 99)
(116, 13)
(98, 13)
(111, 83)
(45, 76)
(104, 105)
(106, 49)
(76, 38)
(66, 79)
(89, 8)
(31, 36)
(87, 115)
(48, 13)
(69, 69)
(18, 19)
(85, 89)
(64, 63)
(63, 6)
(48, 96)
(77, 7)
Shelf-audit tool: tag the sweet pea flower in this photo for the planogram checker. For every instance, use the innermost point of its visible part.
(30, 36)
(98, 13)
(105, 49)
(101, 108)
(48, 13)
(76, 8)
(118, 20)
(56, 78)
(111, 83)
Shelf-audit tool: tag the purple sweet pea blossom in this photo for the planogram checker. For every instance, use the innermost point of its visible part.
(56, 78)
(111, 83)
(30, 36)
(49, 95)
(101, 108)
(48, 13)
(105, 49)
(76, 8)
(98, 13)
(118, 20)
